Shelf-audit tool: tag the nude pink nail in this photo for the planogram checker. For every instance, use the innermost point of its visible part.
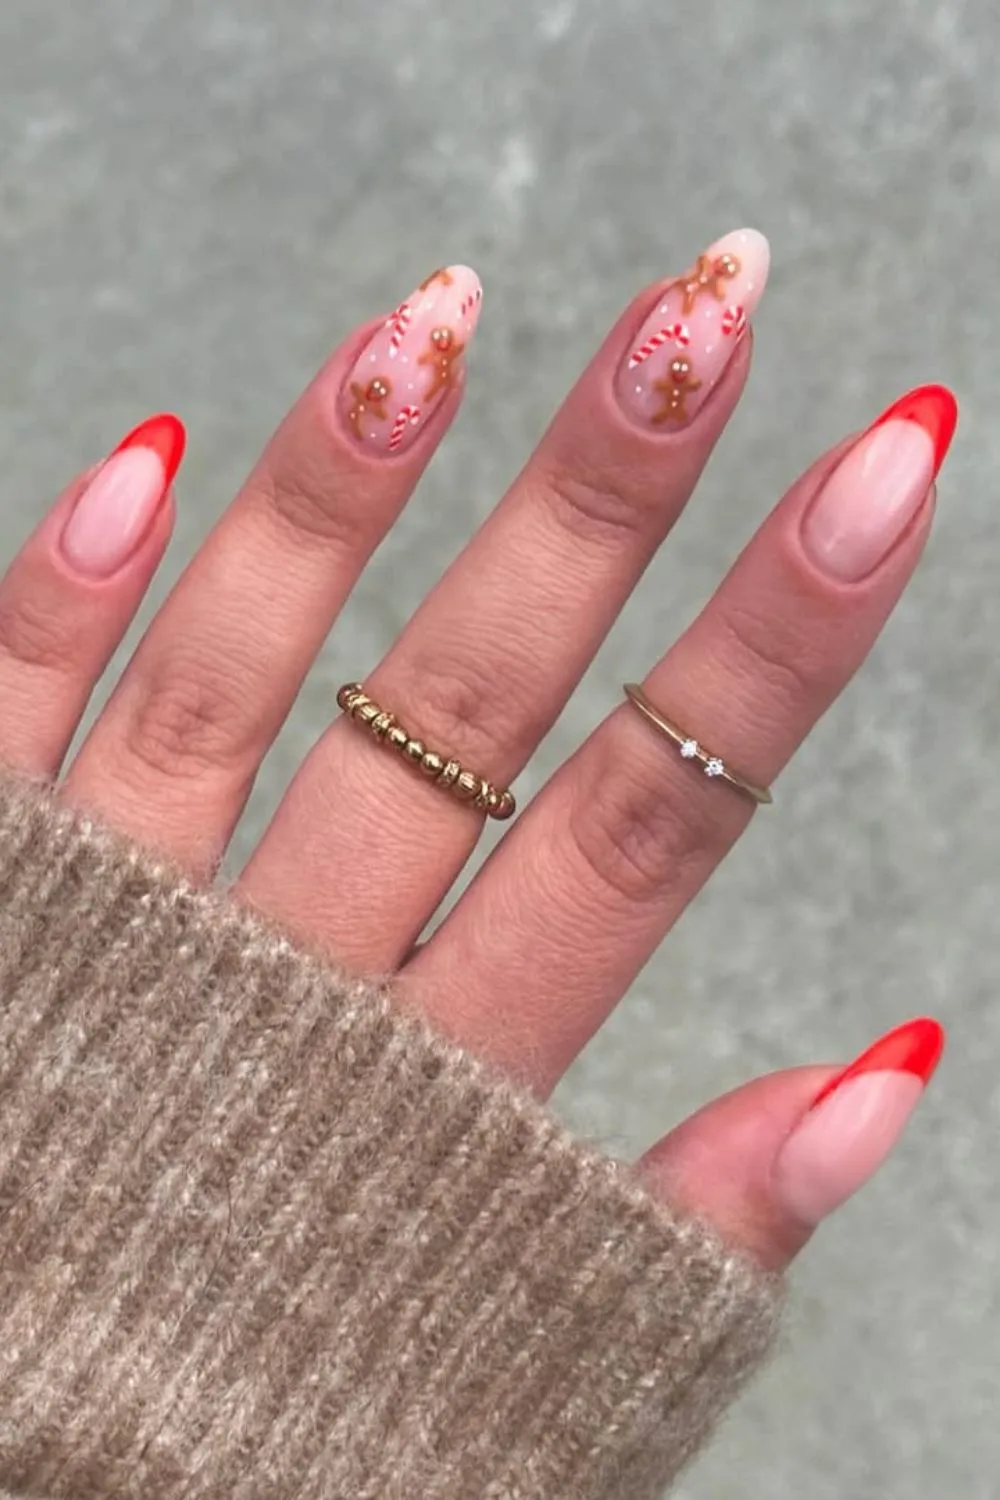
(879, 486)
(855, 1121)
(681, 351)
(115, 511)
(412, 362)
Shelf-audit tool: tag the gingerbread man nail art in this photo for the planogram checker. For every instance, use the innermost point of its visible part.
(421, 343)
(442, 274)
(675, 389)
(681, 351)
(369, 398)
(709, 275)
(441, 357)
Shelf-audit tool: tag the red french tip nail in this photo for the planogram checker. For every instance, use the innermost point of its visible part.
(935, 409)
(915, 1047)
(165, 435)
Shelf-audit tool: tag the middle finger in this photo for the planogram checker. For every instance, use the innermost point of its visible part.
(487, 663)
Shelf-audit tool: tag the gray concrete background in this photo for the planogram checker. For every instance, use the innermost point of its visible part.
(197, 201)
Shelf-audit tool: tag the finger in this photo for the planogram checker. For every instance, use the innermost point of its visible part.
(174, 755)
(487, 663)
(769, 1162)
(72, 591)
(596, 872)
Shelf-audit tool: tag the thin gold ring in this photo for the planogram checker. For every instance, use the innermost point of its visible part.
(444, 770)
(712, 765)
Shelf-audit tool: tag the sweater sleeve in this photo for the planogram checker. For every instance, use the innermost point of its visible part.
(262, 1234)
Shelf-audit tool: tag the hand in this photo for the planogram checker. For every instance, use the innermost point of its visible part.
(364, 848)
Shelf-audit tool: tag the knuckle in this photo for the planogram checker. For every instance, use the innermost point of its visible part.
(600, 509)
(310, 506)
(187, 725)
(774, 655)
(633, 838)
(468, 704)
(36, 636)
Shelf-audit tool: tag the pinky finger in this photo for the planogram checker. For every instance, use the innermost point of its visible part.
(768, 1162)
(71, 593)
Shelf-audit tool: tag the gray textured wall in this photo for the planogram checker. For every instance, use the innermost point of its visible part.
(196, 200)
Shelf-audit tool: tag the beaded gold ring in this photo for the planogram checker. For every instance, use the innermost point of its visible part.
(444, 771)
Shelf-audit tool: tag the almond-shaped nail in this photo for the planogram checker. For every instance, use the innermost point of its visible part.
(879, 486)
(411, 363)
(855, 1121)
(681, 351)
(116, 509)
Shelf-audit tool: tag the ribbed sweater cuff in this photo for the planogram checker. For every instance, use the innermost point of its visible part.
(261, 1234)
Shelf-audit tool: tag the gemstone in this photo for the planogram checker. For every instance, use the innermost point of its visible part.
(714, 767)
(689, 749)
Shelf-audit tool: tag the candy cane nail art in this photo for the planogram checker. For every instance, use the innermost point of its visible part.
(677, 333)
(734, 321)
(413, 361)
(397, 326)
(681, 351)
(409, 416)
(471, 302)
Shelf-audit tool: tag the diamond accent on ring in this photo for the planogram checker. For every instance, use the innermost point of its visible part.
(689, 749)
(714, 767)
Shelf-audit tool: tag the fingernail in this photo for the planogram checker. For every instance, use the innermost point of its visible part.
(116, 509)
(855, 1121)
(684, 346)
(877, 488)
(413, 361)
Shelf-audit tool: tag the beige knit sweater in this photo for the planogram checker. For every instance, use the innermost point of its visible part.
(262, 1236)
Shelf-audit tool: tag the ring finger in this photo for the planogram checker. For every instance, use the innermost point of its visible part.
(487, 663)
(629, 830)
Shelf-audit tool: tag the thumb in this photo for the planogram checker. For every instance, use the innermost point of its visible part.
(766, 1163)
